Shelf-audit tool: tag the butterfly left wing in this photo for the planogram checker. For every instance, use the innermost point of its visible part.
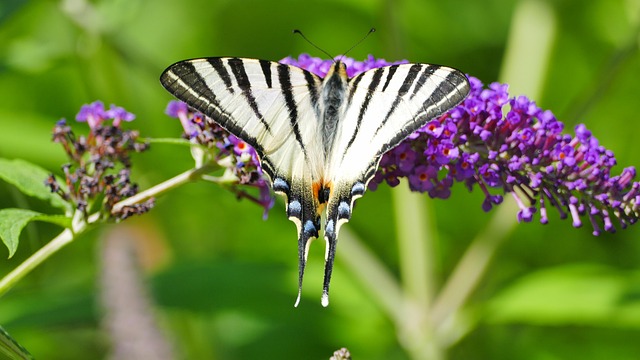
(274, 108)
(384, 106)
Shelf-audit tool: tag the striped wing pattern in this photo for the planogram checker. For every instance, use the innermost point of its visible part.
(319, 140)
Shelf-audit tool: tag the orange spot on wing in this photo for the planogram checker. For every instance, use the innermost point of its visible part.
(318, 188)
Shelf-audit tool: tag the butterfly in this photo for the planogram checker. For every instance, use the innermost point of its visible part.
(319, 140)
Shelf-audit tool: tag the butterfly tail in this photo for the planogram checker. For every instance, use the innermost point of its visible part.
(331, 237)
(339, 210)
(302, 211)
(308, 232)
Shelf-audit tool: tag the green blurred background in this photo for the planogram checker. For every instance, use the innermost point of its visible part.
(222, 281)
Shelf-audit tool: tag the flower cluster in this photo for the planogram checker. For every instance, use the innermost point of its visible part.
(320, 67)
(99, 169)
(239, 159)
(493, 140)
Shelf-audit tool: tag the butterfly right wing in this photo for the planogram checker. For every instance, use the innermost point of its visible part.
(274, 108)
(384, 106)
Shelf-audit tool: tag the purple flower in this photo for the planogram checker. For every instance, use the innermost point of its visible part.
(118, 114)
(491, 141)
(93, 114)
(237, 157)
(524, 149)
(421, 178)
(320, 66)
(405, 157)
(98, 171)
(239, 146)
(180, 110)
(442, 189)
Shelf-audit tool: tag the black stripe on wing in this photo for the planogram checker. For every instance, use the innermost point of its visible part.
(185, 82)
(265, 65)
(312, 87)
(406, 85)
(429, 70)
(449, 93)
(219, 67)
(392, 71)
(240, 74)
(284, 77)
(356, 82)
(373, 85)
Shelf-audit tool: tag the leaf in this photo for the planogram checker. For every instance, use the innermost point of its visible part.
(11, 348)
(29, 179)
(584, 294)
(12, 221)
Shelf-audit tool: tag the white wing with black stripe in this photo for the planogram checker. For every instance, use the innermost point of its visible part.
(319, 140)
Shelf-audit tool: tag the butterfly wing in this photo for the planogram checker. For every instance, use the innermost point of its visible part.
(384, 106)
(274, 108)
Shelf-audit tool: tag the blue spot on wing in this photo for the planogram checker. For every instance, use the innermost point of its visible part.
(281, 185)
(357, 189)
(310, 228)
(294, 209)
(329, 227)
(344, 210)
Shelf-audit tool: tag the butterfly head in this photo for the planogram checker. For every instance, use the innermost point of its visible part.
(338, 68)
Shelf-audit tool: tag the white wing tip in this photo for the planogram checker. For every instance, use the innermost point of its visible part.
(297, 300)
(325, 300)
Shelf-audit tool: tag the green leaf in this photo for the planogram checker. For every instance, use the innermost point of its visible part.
(29, 179)
(583, 294)
(11, 348)
(12, 221)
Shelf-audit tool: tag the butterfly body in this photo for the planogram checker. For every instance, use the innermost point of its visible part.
(319, 139)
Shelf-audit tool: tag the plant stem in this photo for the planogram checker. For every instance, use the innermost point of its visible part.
(185, 177)
(528, 50)
(38, 257)
(416, 238)
(415, 244)
(372, 274)
(470, 269)
(80, 225)
(525, 64)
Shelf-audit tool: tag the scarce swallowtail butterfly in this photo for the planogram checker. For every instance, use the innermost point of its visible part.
(319, 140)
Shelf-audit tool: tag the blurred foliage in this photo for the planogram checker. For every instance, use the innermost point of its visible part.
(223, 280)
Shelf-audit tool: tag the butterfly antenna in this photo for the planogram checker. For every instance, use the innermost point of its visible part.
(296, 31)
(372, 30)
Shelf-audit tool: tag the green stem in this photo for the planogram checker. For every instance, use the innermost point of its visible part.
(80, 225)
(372, 274)
(528, 50)
(471, 268)
(185, 177)
(416, 248)
(34, 260)
(524, 68)
(415, 242)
